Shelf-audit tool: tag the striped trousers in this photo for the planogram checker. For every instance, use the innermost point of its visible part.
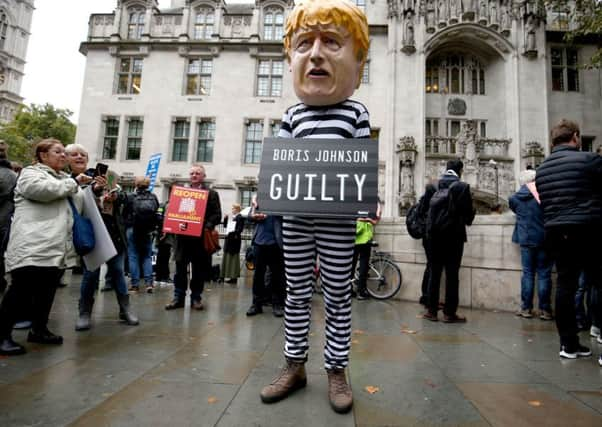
(332, 240)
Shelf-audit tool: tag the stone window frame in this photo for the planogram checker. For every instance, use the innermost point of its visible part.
(3, 28)
(111, 140)
(203, 30)
(448, 126)
(270, 76)
(361, 4)
(570, 80)
(431, 126)
(134, 141)
(205, 141)
(273, 22)
(202, 75)
(132, 75)
(177, 139)
(245, 195)
(136, 20)
(274, 128)
(253, 142)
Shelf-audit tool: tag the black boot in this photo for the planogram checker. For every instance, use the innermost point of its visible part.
(125, 311)
(83, 322)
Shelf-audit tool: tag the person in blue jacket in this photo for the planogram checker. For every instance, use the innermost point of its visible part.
(529, 234)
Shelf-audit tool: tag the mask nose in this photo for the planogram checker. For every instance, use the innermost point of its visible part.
(316, 51)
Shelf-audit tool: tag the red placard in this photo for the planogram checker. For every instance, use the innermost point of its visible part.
(185, 211)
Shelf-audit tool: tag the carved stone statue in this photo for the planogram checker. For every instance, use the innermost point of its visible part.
(430, 16)
(443, 13)
(393, 11)
(493, 18)
(483, 6)
(408, 34)
(530, 36)
(505, 20)
(409, 5)
(468, 9)
(455, 9)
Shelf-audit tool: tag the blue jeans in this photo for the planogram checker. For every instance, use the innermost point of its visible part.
(535, 260)
(140, 250)
(90, 280)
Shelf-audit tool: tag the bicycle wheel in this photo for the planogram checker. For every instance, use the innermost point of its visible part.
(384, 278)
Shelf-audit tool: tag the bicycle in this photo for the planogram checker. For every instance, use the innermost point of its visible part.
(384, 277)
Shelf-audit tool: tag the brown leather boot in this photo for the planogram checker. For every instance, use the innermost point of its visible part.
(291, 378)
(339, 392)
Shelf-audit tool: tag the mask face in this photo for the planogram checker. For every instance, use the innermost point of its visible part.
(324, 65)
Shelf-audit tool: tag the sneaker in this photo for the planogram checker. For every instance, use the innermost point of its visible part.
(25, 324)
(149, 289)
(454, 318)
(574, 353)
(430, 316)
(254, 310)
(277, 310)
(527, 313)
(292, 377)
(362, 295)
(594, 331)
(546, 315)
(600, 360)
(44, 337)
(197, 305)
(175, 303)
(134, 288)
(339, 392)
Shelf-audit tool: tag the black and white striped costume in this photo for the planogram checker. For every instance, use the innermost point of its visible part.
(332, 239)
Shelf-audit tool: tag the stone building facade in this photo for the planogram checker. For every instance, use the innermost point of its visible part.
(15, 26)
(205, 81)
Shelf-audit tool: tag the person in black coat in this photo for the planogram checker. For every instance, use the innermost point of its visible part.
(569, 183)
(446, 247)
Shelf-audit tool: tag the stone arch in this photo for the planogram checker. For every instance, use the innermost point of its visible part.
(486, 42)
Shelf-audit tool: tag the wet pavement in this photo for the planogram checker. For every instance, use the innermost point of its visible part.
(183, 368)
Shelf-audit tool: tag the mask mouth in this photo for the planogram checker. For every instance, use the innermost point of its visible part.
(318, 72)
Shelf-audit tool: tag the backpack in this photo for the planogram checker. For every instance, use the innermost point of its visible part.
(415, 221)
(441, 217)
(144, 212)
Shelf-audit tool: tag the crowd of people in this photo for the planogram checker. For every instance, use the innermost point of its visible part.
(558, 210)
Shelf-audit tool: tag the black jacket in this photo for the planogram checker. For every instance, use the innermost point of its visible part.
(569, 183)
(462, 202)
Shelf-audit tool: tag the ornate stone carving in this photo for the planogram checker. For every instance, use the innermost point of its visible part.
(483, 13)
(456, 107)
(531, 25)
(392, 9)
(443, 13)
(493, 16)
(408, 34)
(468, 10)
(455, 9)
(407, 151)
(533, 154)
(430, 16)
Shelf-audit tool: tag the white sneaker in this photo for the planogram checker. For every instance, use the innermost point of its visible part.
(594, 331)
(600, 361)
(573, 353)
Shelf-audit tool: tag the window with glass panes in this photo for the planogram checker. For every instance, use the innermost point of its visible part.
(565, 69)
(269, 77)
(273, 24)
(432, 79)
(432, 127)
(111, 134)
(560, 18)
(459, 74)
(203, 24)
(134, 141)
(129, 75)
(135, 23)
(366, 73)
(361, 4)
(181, 133)
(275, 127)
(253, 138)
(206, 140)
(3, 29)
(198, 77)
(246, 196)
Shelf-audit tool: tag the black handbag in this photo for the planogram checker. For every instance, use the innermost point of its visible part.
(83, 232)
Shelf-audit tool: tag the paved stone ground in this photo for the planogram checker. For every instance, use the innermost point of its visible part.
(206, 368)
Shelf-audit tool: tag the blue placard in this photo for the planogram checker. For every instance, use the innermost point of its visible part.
(152, 169)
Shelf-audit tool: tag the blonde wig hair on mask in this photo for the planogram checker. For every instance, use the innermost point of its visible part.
(341, 13)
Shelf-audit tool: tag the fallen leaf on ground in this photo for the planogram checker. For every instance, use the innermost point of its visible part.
(371, 389)
(408, 331)
(358, 332)
(212, 399)
(535, 403)
(355, 342)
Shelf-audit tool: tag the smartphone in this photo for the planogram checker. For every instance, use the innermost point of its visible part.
(101, 169)
(90, 172)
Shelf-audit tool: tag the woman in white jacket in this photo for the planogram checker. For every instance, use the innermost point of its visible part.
(40, 244)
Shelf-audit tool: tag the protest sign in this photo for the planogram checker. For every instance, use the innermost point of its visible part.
(319, 177)
(185, 211)
(104, 249)
(152, 169)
